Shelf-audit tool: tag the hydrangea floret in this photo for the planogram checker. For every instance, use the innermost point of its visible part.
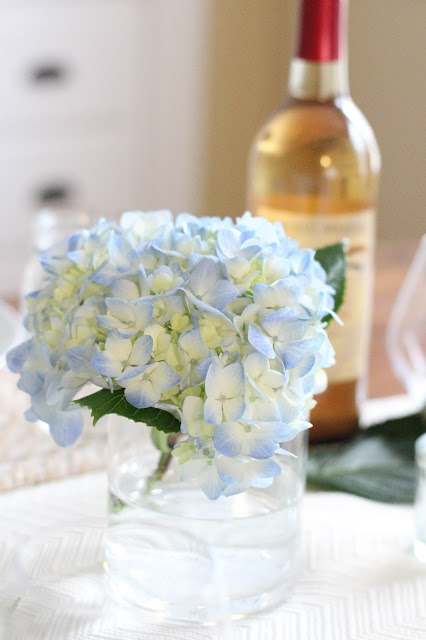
(220, 327)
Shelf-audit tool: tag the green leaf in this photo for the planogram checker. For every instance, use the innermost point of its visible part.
(105, 402)
(332, 258)
(377, 464)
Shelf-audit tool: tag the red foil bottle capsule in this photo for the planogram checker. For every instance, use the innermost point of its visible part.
(319, 38)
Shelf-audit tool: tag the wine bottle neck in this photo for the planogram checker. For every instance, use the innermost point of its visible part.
(319, 69)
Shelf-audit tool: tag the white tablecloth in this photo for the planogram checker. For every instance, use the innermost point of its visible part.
(359, 579)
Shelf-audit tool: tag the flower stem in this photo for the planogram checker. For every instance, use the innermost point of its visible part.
(165, 445)
(163, 465)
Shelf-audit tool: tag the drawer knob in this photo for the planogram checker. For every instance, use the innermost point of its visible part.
(47, 73)
(54, 194)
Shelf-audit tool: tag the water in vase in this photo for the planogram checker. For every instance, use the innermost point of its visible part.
(253, 539)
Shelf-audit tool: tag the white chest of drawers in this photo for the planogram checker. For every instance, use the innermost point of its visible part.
(101, 104)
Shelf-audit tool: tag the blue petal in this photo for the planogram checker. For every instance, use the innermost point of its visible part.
(66, 427)
(308, 384)
(204, 367)
(233, 408)
(225, 440)
(203, 276)
(141, 351)
(131, 372)
(120, 250)
(261, 449)
(212, 411)
(228, 242)
(287, 324)
(267, 469)
(142, 396)
(259, 341)
(164, 377)
(144, 312)
(211, 484)
(79, 360)
(221, 294)
(193, 344)
(16, 358)
(30, 416)
(107, 365)
(121, 309)
(305, 366)
(292, 353)
(231, 471)
(30, 382)
(143, 282)
(105, 274)
(124, 289)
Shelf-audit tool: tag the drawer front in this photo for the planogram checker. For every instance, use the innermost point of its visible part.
(67, 62)
(95, 173)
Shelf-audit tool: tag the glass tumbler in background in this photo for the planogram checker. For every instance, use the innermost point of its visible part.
(406, 330)
(420, 501)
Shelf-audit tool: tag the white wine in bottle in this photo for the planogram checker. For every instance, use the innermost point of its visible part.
(315, 166)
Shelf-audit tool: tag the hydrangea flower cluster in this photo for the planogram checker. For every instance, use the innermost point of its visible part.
(220, 323)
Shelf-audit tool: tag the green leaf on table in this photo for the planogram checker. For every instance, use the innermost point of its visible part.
(105, 402)
(377, 464)
(332, 258)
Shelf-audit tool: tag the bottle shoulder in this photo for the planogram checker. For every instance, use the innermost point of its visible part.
(297, 123)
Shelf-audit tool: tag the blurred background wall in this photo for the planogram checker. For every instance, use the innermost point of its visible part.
(125, 104)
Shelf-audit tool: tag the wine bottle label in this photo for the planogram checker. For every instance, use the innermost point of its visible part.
(352, 340)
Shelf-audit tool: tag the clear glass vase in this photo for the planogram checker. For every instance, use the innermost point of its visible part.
(254, 536)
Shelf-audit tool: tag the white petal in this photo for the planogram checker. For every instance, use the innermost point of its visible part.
(221, 294)
(192, 408)
(142, 395)
(286, 324)
(233, 408)
(194, 346)
(292, 353)
(143, 311)
(232, 380)
(255, 364)
(232, 471)
(141, 351)
(213, 377)
(124, 289)
(228, 242)
(118, 346)
(229, 438)
(211, 483)
(213, 413)
(260, 341)
(79, 360)
(107, 364)
(273, 379)
(121, 309)
(203, 276)
(163, 377)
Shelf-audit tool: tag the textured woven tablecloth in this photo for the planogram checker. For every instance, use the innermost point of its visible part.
(359, 579)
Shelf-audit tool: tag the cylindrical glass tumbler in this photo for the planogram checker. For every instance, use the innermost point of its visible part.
(254, 536)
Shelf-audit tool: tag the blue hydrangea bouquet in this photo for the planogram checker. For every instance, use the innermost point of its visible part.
(205, 329)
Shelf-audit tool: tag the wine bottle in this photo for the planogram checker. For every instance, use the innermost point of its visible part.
(315, 166)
